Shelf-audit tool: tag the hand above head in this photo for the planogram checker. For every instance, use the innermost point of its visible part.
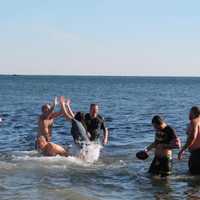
(62, 99)
(67, 102)
(55, 101)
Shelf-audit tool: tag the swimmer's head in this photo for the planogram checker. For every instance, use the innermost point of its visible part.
(158, 122)
(45, 108)
(94, 109)
(194, 112)
(41, 142)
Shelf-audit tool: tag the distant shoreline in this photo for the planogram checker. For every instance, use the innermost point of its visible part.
(94, 75)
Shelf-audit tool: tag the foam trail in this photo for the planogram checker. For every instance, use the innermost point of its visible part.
(91, 152)
(87, 155)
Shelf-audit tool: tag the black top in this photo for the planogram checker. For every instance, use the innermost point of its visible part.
(94, 125)
(165, 136)
(80, 116)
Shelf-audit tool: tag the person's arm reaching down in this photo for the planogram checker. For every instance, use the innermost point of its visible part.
(190, 140)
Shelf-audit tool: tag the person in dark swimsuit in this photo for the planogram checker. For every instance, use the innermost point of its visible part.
(95, 123)
(165, 140)
(78, 131)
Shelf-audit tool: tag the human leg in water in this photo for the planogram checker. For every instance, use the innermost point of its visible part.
(49, 148)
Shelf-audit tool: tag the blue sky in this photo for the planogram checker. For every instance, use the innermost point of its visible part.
(102, 37)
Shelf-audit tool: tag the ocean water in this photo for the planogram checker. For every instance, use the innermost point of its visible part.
(128, 104)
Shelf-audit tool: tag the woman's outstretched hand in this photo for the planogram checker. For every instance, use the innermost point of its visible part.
(62, 100)
(67, 102)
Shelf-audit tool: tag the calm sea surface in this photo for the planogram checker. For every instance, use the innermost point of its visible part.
(127, 103)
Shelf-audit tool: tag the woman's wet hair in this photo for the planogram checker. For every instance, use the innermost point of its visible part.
(80, 116)
(195, 111)
(157, 120)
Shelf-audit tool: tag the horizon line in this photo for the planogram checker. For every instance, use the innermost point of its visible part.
(102, 75)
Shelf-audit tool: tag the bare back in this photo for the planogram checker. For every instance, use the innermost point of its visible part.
(195, 125)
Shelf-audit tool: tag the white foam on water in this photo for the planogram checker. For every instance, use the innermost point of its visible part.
(26, 153)
(91, 152)
(7, 166)
(49, 162)
(84, 157)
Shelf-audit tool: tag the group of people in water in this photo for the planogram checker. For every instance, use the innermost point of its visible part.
(166, 140)
(85, 129)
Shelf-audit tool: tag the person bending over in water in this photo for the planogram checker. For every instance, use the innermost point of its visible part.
(193, 141)
(78, 130)
(94, 123)
(46, 120)
(49, 148)
(165, 141)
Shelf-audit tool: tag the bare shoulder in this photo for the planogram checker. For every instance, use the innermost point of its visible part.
(194, 126)
(49, 146)
(198, 124)
(195, 123)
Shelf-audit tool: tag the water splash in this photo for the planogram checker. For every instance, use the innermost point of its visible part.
(82, 157)
(91, 152)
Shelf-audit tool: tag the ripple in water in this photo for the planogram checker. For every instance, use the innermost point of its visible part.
(128, 104)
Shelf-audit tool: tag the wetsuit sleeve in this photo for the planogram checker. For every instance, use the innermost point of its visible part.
(103, 125)
(175, 142)
(77, 116)
(156, 140)
(172, 134)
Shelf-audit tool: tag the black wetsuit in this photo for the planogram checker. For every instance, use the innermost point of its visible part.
(94, 125)
(78, 130)
(163, 165)
(165, 136)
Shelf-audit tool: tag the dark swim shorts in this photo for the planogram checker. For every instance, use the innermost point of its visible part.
(194, 162)
(161, 166)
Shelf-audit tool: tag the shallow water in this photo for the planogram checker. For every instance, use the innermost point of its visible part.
(128, 104)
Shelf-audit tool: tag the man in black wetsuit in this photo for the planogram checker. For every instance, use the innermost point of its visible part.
(95, 123)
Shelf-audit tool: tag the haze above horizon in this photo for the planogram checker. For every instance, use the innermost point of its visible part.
(129, 38)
